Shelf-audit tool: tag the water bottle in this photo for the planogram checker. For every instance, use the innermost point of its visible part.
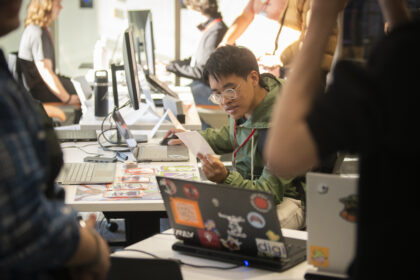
(101, 93)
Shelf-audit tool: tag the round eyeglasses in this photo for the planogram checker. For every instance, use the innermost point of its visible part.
(227, 94)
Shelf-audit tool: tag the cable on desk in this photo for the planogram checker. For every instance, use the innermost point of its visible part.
(181, 262)
(166, 233)
(80, 148)
(141, 251)
(102, 134)
(108, 148)
(110, 123)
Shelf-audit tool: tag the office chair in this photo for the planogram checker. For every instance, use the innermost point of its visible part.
(54, 112)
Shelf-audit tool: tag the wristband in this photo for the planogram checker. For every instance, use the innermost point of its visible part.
(68, 100)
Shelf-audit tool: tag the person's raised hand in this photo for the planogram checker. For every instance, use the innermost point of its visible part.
(171, 132)
(213, 168)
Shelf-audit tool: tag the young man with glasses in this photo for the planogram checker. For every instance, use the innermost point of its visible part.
(248, 97)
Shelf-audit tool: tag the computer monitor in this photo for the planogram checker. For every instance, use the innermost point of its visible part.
(143, 24)
(131, 70)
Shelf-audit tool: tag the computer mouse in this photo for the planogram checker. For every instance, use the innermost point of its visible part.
(164, 141)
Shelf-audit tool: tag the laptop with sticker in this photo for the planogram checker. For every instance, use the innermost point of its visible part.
(331, 223)
(228, 224)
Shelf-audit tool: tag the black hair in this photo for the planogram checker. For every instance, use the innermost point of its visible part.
(207, 7)
(231, 60)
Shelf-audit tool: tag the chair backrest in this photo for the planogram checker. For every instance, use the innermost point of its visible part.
(15, 68)
(12, 64)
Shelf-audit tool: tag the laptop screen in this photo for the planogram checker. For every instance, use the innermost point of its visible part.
(223, 218)
(124, 131)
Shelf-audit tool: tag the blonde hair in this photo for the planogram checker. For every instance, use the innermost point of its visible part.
(39, 12)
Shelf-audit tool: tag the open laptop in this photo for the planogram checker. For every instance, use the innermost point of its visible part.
(228, 224)
(77, 173)
(331, 223)
(149, 152)
(84, 92)
(161, 85)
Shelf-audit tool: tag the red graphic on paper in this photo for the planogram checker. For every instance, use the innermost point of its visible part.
(191, 191)
(140, 171)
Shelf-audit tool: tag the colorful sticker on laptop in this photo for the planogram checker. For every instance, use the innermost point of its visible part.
(210, 225)
(234, 227)
(169, 186)
(255, 219)
(233, 244)
(140, 171)
(349, 213)
(261, 202)
(191, 191)
(186, 212)
(319, 256)
(272, 236)
(270, 248)
(208, 238)
(183, 234)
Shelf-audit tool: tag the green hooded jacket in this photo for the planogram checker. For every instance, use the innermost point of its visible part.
(249, 158)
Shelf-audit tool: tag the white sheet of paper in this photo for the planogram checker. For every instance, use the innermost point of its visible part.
(195, 142)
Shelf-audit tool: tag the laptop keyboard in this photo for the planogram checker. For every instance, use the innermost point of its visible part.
(81, 172)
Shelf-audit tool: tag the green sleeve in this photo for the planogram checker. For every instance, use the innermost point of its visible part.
(266, 182)
(218, 139)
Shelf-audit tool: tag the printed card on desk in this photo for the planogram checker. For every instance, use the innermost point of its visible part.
(196, 143)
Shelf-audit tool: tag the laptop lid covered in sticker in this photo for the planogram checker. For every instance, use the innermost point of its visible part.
(240, 223)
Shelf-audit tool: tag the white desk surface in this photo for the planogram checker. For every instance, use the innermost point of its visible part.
(192, 119)
(161, 245)
(76, 151)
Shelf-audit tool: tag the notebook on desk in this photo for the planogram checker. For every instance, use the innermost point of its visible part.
(228, 224)
(331, 222)
(149, 152)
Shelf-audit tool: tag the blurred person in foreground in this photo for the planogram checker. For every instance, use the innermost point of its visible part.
(371, 111)
(40, 237)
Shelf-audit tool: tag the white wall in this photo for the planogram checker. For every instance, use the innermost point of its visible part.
(78, 29)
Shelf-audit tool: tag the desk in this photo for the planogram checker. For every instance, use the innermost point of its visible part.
(137, 213)
(192, 119)
(161, 245)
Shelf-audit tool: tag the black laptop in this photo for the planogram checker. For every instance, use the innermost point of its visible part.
(228, 224)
